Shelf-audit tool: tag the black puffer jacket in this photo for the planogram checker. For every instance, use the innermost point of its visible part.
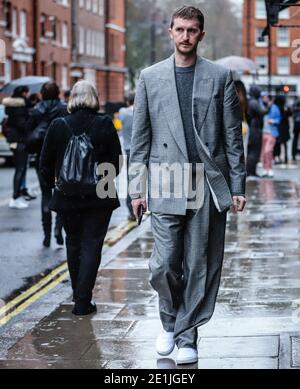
(17, 110)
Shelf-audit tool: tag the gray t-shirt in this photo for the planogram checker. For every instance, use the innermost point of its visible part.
(185, 83)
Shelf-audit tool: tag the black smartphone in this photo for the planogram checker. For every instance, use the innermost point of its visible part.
(141, 212)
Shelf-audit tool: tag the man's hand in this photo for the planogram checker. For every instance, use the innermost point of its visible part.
(239, 203)
(136, 204)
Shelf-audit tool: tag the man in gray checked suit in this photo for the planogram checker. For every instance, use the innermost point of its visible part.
(187, 112)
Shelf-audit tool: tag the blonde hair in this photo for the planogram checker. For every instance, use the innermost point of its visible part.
(83, 95)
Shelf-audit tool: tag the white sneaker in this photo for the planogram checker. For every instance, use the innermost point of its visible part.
(165, 343)
(187, 356)
(19, 203)
(264, 174)
(270, 174)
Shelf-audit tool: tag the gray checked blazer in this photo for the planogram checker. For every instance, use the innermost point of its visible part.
(158, 134)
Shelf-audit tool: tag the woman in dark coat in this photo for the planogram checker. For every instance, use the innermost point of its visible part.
(17, 109)
(41, 117)
(85, 218)
(256, 116)
(284, 129)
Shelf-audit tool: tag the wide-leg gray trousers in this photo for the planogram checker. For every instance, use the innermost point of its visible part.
(186, 267)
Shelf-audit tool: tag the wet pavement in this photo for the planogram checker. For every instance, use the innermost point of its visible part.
(23, 259)
(257, 320)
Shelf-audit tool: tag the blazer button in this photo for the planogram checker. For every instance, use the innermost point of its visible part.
(165, 146)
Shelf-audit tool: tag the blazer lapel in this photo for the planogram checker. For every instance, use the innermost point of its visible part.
(171, 106)
(202, 93)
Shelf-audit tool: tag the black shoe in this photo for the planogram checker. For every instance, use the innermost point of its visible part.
(59, 237)
(80, 311)
(28, 197)
(47, 241)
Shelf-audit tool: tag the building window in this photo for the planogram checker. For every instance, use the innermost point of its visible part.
(101, 7)
(23, 24)
(260, 9)
(8, 15)
(81, 40)
(88, 5)
(262, 62)
(90, 75)
(102, 45)
(43, 25)
(14, 22)
(95, 6)
(53, 22)
(64, 77)
(260, 41)
(65, 32)
(23, 69)
(283, 37)
(283, 65)
(88, 42)
(81, 3)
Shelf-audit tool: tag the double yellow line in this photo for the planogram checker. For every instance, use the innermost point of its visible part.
(59, 274)
(18, 304)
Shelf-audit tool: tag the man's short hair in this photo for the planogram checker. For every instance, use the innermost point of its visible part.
(50, 91)
(188, 13)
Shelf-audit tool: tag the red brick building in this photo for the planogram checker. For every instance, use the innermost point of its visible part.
(16, 30)
(98, 53)
(66, 40)
(115, 49)
(53, 39)
(285, 67)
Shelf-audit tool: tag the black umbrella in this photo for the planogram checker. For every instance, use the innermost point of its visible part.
(34, 83)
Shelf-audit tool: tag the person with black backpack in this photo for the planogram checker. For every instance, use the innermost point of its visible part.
(296, 117)
(74, 149)
(40, 119)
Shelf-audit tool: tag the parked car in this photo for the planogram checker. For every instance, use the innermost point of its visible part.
(5, 151)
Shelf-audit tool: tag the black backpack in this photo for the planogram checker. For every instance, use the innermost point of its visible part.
(78, 174)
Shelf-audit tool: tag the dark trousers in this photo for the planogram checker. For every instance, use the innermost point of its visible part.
(85, 234)
(21, 160)
(295, 141)
(46, 213)
(277, 150)
(254, 151)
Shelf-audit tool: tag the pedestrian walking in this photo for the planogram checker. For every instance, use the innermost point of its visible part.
(187, 112)
(296, 120)
(284, 130)
(17, 111)
(40, 119)
(85, 216)
(257, 111)
(126, 117)
(270, 133)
